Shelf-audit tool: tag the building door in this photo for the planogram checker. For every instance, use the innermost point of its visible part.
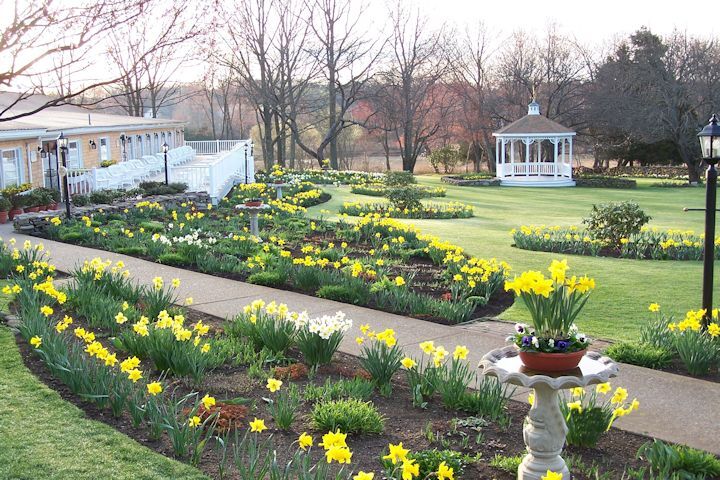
(49, 157)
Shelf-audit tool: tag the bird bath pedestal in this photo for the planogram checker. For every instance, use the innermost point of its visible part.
(253, 213)
(545, 430)
(278, 189)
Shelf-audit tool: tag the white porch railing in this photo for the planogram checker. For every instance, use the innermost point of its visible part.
(213, 147)
(81, 181)
(548, 169)
(218, 177)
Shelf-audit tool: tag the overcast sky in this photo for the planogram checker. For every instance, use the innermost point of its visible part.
(592, 22)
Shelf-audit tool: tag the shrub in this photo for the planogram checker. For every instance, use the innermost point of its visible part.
(71, 236)
(268, 278)
(430, 460)
(159, 188)
(405, 197)
(348, 416)
(447, 157)
(605, 182)
(394, 179)
(172, 258)
(613, 221)
(5, 204)
(103, 196)
(80, 200)
(636, 353)
(268, 326)
(343, 293)
(153, 226)
(678, 461)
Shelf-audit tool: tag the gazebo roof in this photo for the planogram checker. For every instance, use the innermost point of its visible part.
(534, 124)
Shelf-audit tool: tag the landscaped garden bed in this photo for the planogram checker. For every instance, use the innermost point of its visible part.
(268, 387)
(424, 210)
(375, 262)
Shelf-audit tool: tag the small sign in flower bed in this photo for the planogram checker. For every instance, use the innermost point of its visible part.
(376, 262)
(210, 392)
(423, 211)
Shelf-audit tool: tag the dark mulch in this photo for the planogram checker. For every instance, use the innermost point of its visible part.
(405, 423)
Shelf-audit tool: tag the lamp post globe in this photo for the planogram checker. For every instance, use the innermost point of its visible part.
(165, 148)
(710, 147)
(62, 143)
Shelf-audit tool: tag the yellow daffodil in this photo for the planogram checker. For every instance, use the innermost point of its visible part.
(36, 341)
(258, 425)
(135, 375)
(364, 476)
(338, 454)
(208, 401)
(410, 469)
(305, 441)
(408, 363)
(578, 392)
(154, 388)
(445, 472)
(531, 398)
(550, 475)
(461, 352)
(397, 453)
(654, 307)
(194, 421)
(619, 396)
(333, 439)
(428, 347)
(273, 384)
(46, 310)
(603, 388)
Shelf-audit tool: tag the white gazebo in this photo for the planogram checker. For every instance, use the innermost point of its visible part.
(521, 160)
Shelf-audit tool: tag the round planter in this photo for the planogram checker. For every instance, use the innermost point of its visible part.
(13, 212)
(34, 209)
(253, 204)
(551, 362)
(3, 217)
(53, 206)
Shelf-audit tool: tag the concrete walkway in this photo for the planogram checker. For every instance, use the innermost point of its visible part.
(672, 407)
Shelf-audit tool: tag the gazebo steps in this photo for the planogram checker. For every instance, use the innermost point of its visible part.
(537, 181)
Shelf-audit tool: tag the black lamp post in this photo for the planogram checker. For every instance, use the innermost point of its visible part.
(246, 163)
(62, 143)
(710, 146)
(165, 148)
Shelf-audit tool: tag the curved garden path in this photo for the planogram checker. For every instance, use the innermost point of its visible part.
(672, 407)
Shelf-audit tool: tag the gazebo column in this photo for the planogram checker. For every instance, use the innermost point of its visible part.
(527, 156)
(555, 161)
(570, 160)
(499, 169)
(564, 157)
(503, 155)
(512, 156)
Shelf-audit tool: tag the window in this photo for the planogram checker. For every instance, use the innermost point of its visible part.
(74, 155)
(104, 149)
(130, 147)
(10, 173)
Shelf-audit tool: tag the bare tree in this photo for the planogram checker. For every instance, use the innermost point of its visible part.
(147, 55)
(347, 55)
(473, 84)
(415, 92)
(46, 43)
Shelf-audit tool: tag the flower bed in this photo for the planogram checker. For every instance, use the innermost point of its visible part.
(378, 190)
(377, 262)
(240, 414)
(319, 176)
(650, 243)
(427, 211)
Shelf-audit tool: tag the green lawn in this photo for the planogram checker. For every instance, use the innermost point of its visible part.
(624, 287)
(42, 436)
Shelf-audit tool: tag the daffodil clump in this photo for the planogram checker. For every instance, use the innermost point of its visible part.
(650, 243)
(278, 174)
(380, 356)
(590, 414)
(697, 347)
(427, 210)
(319, 338)
(402, 464)
(554, 304)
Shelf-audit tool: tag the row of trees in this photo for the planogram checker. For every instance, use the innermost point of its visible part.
(311, 76)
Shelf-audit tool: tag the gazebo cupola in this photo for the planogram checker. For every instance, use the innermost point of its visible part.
(534, 151)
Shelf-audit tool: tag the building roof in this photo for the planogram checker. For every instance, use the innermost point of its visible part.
(68, 118)
(534, 124)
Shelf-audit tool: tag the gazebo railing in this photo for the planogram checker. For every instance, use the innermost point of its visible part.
(544, 169)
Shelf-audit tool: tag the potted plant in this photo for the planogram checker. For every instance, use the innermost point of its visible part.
(17, 200)
(552, 343)
(43, 198)
(5, 205)
(253, 192)
(34, 201)
(54, 198)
